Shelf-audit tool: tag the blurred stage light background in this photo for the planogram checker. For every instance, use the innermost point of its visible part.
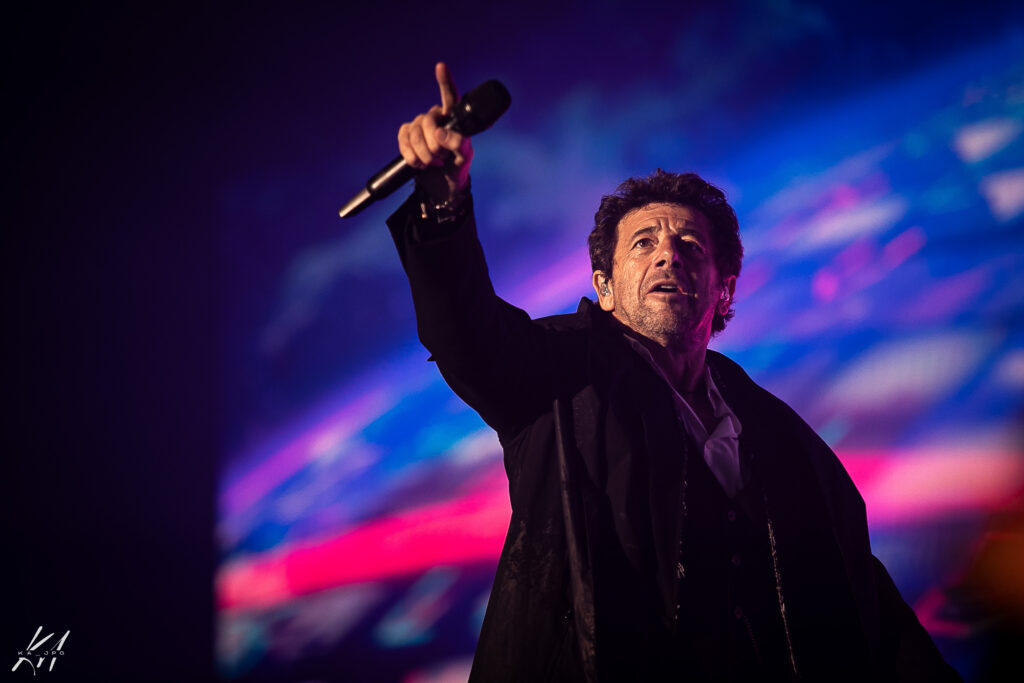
(876, 162)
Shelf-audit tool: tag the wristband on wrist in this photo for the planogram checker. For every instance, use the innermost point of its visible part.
(447, 211)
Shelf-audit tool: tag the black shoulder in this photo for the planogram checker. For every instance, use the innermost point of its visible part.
(750, 397)
(567, 322)
(580, 321)
(767, 414)
(727, 367)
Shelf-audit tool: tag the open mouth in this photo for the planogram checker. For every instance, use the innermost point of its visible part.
(665, 288)
(669, 291)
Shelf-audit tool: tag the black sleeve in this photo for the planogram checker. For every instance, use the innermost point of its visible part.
(489, 352)
(909, 654)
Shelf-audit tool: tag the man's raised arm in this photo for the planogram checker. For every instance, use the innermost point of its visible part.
(490, 352)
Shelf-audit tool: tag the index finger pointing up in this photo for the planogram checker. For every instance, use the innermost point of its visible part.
(449, 93)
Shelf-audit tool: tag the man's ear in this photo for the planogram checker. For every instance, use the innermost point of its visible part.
(603, 287)
(728, 291)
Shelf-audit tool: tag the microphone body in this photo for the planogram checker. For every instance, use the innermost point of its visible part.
(474, 113)
(383, 183)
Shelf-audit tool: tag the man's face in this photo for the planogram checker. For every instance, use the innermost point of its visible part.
(664, 282)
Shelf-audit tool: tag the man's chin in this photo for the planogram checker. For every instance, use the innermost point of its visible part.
(672, 328)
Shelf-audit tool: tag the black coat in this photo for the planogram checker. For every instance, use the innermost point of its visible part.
(592, 450)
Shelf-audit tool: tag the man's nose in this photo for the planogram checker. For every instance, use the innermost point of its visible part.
(669, 253)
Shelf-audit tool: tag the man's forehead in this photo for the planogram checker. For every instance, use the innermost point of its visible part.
(663, 214)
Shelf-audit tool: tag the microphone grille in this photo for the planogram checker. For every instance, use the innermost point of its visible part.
(480, 108)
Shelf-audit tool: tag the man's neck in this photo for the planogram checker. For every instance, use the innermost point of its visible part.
(683, 366)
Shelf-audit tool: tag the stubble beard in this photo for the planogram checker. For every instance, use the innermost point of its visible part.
(673, 328)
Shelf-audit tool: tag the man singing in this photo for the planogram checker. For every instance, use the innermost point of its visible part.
(671, 520)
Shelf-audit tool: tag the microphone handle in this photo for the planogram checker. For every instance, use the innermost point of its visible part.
(388, 179)
(474, 113)
(383, 183)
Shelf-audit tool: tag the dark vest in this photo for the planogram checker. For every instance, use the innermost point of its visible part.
(728, 625)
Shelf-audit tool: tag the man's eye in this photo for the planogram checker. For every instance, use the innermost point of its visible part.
(644, 242)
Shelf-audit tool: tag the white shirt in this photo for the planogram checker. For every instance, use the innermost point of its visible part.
(721, 448)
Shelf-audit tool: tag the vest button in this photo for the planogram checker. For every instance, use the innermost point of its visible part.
(731, 515)
(735, 560)
(738, 612)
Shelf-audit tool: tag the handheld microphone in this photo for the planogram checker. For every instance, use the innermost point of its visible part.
(474, 113)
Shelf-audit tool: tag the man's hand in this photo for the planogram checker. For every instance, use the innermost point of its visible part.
(444, 155)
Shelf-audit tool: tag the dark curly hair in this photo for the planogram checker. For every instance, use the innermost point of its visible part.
(661, 187)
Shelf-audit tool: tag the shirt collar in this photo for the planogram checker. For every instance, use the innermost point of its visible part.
(728, 424)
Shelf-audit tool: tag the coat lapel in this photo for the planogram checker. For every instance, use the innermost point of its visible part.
(635, 449)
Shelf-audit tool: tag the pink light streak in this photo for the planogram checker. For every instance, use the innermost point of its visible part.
(929, 610)
(462, 531)
(553, 287)
(914, 486)
(903, 246)
(898, 488)
(949, 296)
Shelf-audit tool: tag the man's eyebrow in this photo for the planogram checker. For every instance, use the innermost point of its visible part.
(648, 229)
(651, 229)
